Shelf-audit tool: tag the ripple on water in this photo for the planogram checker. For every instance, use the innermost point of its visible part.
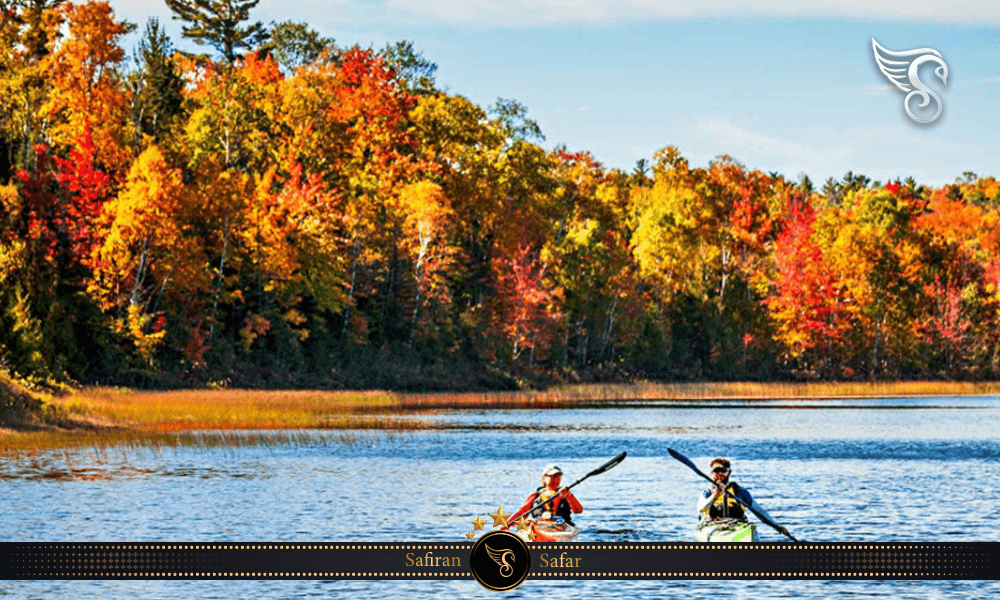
(839, 475)
(688, 589)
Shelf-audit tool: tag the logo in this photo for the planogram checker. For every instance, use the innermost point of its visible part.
(500, 560)
(902, 70)
(500, 557)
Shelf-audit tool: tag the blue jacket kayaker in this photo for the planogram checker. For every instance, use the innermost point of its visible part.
(560, 501)
(714, 504)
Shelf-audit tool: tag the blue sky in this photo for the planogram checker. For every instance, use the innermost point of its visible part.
(777, 88)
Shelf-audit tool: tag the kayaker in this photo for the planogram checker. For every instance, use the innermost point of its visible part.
(559, 501)
(715, 504)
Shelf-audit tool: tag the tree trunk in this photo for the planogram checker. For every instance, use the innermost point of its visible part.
(355, 251)
(222, 265)
(605, 343)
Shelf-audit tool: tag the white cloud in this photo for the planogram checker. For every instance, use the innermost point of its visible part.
(881, 152)
(536, 12)
(740, 141)
(889, 151)
(345, 15)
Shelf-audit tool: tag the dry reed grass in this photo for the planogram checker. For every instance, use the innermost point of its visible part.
(116, 416)
(187, 410)
(565, 396)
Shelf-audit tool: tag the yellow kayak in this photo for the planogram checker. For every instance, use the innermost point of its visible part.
(726, 530)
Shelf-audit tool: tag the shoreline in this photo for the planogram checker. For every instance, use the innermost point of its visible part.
(111, 416)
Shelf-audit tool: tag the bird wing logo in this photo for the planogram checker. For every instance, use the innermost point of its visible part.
(901, 68)
(500, 558)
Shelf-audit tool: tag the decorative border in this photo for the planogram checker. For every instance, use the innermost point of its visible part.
(970, 560)
(416, 560)
(221, 561)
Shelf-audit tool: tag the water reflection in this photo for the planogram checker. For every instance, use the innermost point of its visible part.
(847, 475)
(57, 473)
(688, 589)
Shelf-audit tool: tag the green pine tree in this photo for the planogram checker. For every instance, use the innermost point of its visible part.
(415, 71)
(220, 24)
(157, 86)
(296, 44)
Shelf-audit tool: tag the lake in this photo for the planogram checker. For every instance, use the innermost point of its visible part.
(883, 470)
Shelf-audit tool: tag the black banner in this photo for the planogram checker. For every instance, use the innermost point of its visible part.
(417, 560)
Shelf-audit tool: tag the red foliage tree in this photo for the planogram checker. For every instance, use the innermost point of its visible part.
(526, 303)
(806, 303)
(86, 188)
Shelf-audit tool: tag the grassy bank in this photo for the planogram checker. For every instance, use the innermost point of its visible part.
(568, 396)
(116, 416)
(19, 406)
(108, 416)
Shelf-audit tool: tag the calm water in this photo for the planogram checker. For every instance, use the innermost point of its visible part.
(839, 471)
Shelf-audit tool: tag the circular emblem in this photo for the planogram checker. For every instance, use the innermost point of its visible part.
(500, 561)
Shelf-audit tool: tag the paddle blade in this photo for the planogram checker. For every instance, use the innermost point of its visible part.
(614, 462)
(687, 462)
(682, 458)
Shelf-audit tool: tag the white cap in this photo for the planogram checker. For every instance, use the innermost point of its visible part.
(551, 470)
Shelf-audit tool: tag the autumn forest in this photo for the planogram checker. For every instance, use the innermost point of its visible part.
(285, 211)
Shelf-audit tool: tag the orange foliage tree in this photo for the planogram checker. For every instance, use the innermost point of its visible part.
(84, 68)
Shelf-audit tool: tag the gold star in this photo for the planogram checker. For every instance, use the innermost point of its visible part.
(531, 535)
(522, 524)
(470, 535)
(478, 524)
(500, 517)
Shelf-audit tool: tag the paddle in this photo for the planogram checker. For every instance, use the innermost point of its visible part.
(760, 516)
(614, 462)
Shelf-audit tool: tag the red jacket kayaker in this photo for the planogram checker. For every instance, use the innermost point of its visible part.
(559, 501)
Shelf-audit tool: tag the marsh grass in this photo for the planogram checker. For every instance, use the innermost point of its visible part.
(118, 417)
(776, 391)
(104, 417)
(187, 410)
(133, 439)
(591, 394)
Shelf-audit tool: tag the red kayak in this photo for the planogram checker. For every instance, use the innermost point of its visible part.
(551, 530)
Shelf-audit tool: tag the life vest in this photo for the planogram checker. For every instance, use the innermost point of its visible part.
(726, 506)
(547, 510)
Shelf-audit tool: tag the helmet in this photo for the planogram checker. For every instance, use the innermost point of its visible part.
(551, 470)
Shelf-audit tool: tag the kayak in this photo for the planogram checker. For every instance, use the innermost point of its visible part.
(551, 530)
(726, 530)
(556, 530)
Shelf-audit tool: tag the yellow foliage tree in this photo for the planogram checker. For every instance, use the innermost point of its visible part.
(146, 251)
(426, 242)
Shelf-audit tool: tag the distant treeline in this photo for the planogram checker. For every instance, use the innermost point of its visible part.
(288, 212)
